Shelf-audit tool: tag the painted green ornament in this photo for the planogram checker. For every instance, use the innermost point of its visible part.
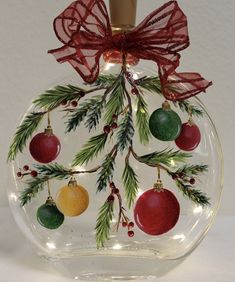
(49, 216)
(165, 124)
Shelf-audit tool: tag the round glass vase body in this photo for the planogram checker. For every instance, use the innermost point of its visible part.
(72, 247)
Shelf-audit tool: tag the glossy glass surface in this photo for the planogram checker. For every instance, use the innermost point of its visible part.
(72, 247)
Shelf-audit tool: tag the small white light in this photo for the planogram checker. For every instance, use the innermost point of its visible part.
(114, 220)
(108, 66)
(140, 192)
(51, 245)
(172, 163)
(13, 197)
(117, 247)
(135, 76)
(197, 210)
(180, 237)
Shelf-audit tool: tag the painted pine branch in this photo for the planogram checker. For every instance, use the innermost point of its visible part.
(105, 81)
(192, 170)
(76, 117)
(103, 223)
(196, 196)
(94, 114)
(126, 132)
(53, 98)
(54, 171)
(34, 187)
(106, 172)
(185, 106)
(29, 125)
(91, 149)
(130, 182)
(165, 157)
(116, 101)
(142, 118)
(151, 84)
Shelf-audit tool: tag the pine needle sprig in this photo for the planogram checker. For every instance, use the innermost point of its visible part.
(106, 172)
(24, 132)
(53, 98)
(130, 182)
(78, 116)
(192, 194)
(103, 223)
(105, 81)
(34, 187)
(150, 83)
(55, 170)
(191, 170)
(185, 106)
(167, 158)
(91, 149)
(116, 101)
(126, 132)
(142, 117)
(94, 114)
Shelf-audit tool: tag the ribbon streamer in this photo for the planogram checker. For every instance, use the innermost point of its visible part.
(85, 30)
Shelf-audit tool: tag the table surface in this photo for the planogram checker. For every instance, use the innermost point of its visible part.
(214, 259)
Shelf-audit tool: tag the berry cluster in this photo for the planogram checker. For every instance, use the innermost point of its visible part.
(109, 128)
(26, 171)
(132, 81)
(73, 103)
(124, 220)
(184, 177)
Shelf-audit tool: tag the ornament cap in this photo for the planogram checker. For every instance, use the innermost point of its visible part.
(50, 201)
(158, 186)
(166, 106)
(49, 130)
(72, 182)
(123, 14)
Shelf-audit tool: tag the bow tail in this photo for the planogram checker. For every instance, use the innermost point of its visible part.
(181, 86)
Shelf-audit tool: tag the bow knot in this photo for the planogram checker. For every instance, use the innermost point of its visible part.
(85, 30)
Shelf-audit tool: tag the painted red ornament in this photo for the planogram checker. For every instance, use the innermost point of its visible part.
(45, 146)
(189, 138)
(157, 212)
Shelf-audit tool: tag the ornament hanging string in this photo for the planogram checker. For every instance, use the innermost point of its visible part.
(85, 30)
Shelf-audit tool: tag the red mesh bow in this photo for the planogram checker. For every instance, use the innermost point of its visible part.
(85, 30)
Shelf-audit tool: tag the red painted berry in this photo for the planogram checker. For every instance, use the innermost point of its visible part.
(115, 191)
(19, 174)
(114, 125)
(131, 225)
(192, 181)
(112, 185)
(131, 233)
(114, 117)
(64, 103)
(124, 224)
(134, 91)
(107, 129)
(34, 173)
(181, 175)
(111, 199)
(82, 94)
(128, 75)
(174, 177)
(26, 168)
(74, 104)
